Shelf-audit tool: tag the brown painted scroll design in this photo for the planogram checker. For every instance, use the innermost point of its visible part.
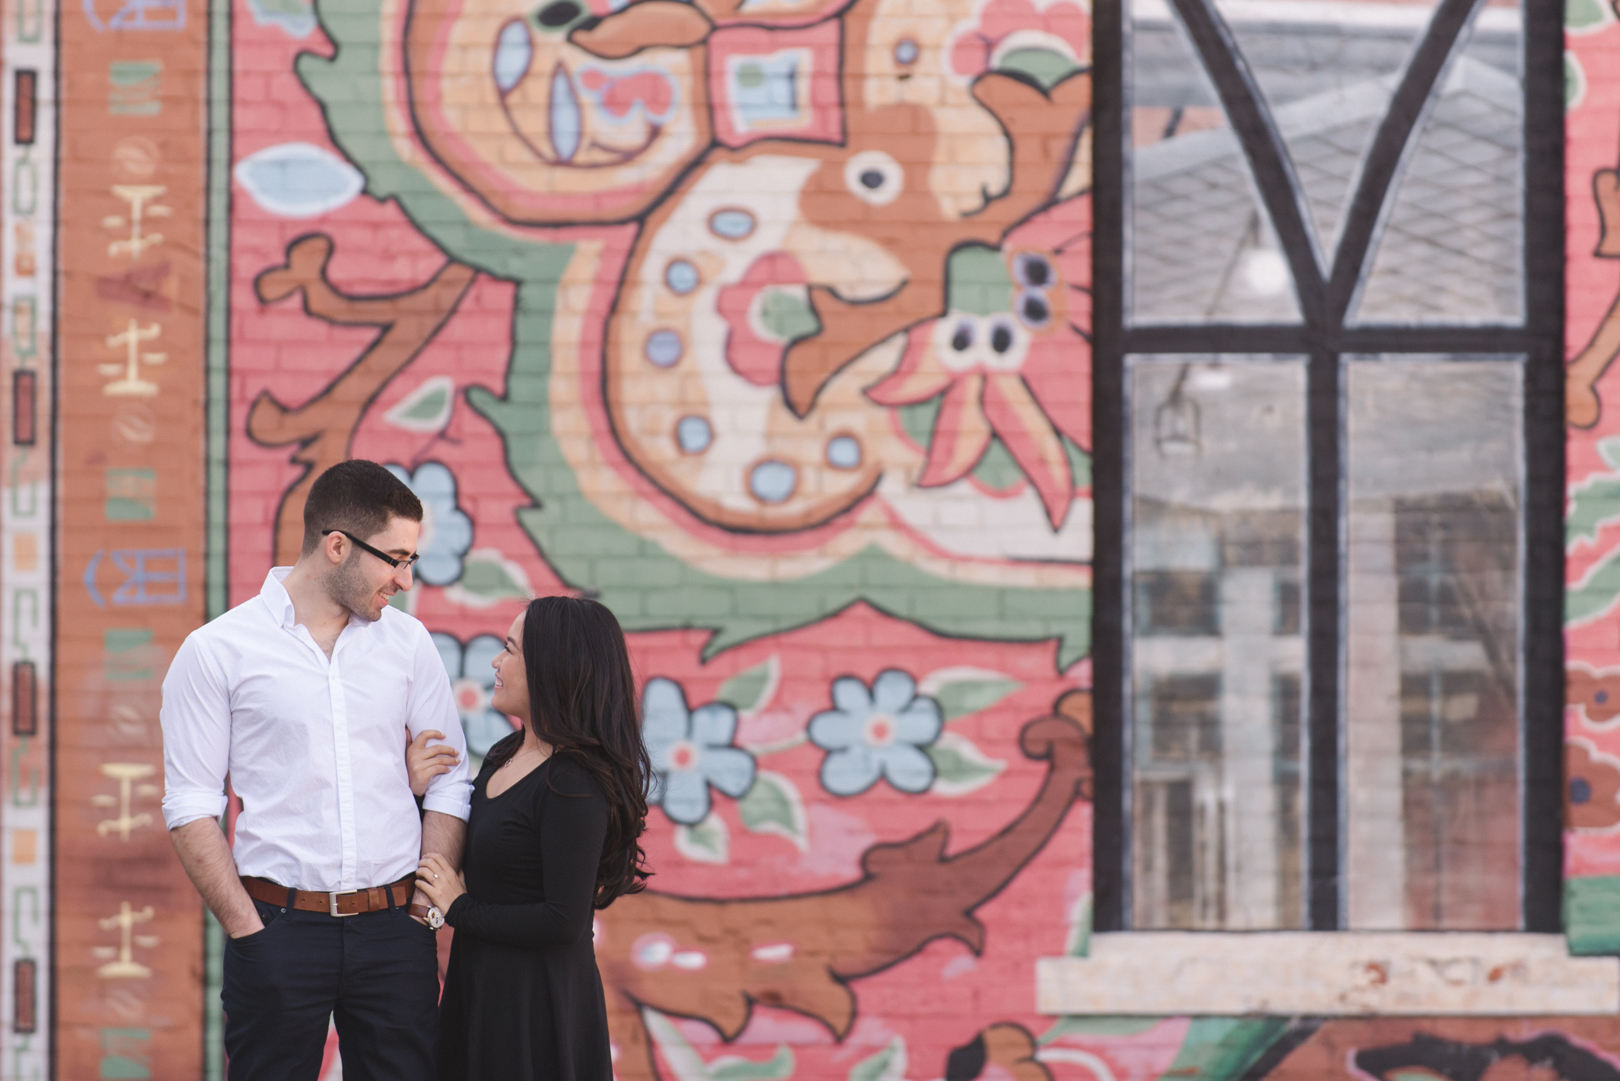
(1582, 405)
(802, 952)
(322, 429)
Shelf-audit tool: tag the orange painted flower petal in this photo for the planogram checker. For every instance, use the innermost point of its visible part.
(961, 434)
(1032, 441)
(909, 387)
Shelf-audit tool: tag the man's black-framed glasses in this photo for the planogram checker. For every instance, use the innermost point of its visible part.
(408, 561)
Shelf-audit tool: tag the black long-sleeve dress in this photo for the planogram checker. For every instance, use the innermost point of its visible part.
(522, 996)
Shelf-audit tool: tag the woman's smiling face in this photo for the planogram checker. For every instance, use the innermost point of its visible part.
(511, 692)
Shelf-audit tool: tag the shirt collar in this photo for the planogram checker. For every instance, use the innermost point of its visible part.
(279, 601)
(276, 597)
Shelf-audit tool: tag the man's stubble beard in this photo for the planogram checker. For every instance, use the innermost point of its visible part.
(346, 585)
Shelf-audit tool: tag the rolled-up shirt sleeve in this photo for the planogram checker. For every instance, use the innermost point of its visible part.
(433, 709)
(196, 720)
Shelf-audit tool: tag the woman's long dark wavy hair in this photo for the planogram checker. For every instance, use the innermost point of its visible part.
(582, 701)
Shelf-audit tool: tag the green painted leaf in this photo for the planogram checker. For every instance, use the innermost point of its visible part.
(1584, 16)
(1046, 66)
(1079, 941)
(888, 1064)
(778, 1067)
(684, 1061)
(959, 765)
(1223, 1048)
(1595, 500)
(996, 470)
(707, 842)
(1074, 1025)
(489, 579)
(746, 692)
(1574, 82)
(959, 697)
(1596, 594)
(773, 805)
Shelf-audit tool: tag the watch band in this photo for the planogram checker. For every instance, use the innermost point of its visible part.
(426, 915)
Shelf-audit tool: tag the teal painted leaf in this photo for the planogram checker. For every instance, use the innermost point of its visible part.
(959, 765)
(773, 805)
(683, 1059)
(489, 580)
(1594, 501)
(1574, 82)
(1596, 594)
(1098, 1026)
(1586, 16)
(751, 689)
(778, 1067)
(888, 1064)
(707, 842)
(1223, 1048)
(1079, 941)
(968, 692)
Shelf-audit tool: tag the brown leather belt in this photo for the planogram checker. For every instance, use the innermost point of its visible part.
(342, 903)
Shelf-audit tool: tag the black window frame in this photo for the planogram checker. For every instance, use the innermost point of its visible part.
(1325, 340)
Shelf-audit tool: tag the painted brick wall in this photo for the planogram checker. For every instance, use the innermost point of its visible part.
(586, 279)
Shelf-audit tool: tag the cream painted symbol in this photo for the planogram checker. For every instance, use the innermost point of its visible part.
(129, 340)
(141, 207)
(126, 774)
(125, 967)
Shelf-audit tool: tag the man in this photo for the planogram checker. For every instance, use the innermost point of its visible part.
(304, 695)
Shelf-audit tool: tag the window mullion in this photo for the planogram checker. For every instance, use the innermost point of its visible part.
(1324, 589)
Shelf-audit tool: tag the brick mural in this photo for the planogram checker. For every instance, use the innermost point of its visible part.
(769, 324)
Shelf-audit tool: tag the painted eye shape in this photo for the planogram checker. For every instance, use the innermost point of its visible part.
(557, 14)
(962, 337)
(1001, 337)
(1033, 270)
(873, 177)
(906, 52)
(1033, 310)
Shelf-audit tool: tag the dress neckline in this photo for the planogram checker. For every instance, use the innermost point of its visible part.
(505, 791)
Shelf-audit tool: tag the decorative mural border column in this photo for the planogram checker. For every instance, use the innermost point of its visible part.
(132, 506)
(27, 274)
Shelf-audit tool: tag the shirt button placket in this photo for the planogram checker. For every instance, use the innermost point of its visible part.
(345, 774)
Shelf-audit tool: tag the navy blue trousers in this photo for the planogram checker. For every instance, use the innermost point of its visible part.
(374, 975)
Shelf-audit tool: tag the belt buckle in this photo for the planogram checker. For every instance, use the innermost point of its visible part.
(331, 901)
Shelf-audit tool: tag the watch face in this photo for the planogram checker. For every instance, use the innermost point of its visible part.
(435, 918)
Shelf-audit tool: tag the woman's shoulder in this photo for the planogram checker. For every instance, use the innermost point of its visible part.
(570, 776)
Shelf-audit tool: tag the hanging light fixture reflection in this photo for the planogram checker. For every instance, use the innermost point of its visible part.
(1176, 421)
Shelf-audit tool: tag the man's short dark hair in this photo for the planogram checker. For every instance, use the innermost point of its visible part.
(359, 497)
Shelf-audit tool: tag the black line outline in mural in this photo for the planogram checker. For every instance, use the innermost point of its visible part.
(1060, 738)
(1299, 1030)
(1322, 336)
(403, 47)
(1459, 1061)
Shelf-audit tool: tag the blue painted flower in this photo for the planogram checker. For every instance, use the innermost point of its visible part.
(876, 733)
(447, 532)
(690, 750)
(471, 682)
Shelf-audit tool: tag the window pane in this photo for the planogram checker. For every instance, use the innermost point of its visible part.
(1327, 71)
(1432, 633)
(1451, 249)
(1199, 245)
(1217, 489)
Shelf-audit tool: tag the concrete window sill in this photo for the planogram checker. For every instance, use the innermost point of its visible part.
(1347, 974)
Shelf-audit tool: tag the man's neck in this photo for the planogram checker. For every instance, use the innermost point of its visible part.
(313, 607)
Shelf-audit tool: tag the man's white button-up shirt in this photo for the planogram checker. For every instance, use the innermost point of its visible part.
(315, 747)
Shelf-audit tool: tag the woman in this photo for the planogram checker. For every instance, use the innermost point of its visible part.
(556, 813)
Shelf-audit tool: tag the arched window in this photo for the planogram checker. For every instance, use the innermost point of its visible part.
(1329, 464)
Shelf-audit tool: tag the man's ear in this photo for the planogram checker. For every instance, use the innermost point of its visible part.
(331, 545)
